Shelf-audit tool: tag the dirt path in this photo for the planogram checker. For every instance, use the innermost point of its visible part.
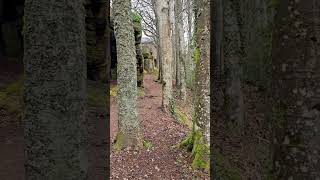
(161, 161)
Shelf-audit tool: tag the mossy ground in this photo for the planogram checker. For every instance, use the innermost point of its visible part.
(114, 91)
(147, 144)
(125, 141)
(199, 149)
(11, 97)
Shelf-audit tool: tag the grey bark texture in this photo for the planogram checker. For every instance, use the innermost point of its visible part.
(181, 65)
(295, 85)
(55, 90)
(232, 67)
(165, 38)
(129, 128)
(202, 89)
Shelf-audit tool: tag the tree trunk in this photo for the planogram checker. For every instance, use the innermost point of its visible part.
(165, 38)
(129, 128)
(201, 137)
(190, 66)
(233, 99)
(180, 47)
(55, 89)
(96, 21)
(295, 85)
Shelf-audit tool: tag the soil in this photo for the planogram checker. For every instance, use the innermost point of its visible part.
(162, 161)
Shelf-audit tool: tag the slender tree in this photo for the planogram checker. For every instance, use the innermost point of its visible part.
(165, 38)
(295, 86)
(129, 128)
(180, 52)
(55, 89)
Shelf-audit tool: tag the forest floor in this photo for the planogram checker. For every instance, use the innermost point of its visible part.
(158, 159)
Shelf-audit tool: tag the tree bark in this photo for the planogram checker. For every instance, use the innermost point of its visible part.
(96, 29)
(129, 125)
(55, 89)
(202, 90)
(233, 99)
(295, 88)
(165, 38)
(181, 65)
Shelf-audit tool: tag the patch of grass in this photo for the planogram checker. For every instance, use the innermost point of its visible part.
(147, 144)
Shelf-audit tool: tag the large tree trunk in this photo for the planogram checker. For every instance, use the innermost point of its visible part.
(296, 72)
(55, 89)
(201, 137)
(129, 128)
(233, 98)
(165, 38)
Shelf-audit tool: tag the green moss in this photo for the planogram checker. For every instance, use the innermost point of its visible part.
(196, 55)
(136, 17)
(187, 143)
(147, 144)
(11, 97)
(141, 92)
(200, 152)
(113, 91)
(182, 118)
(120, 141)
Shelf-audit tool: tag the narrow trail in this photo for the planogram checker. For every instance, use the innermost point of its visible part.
(162, 131)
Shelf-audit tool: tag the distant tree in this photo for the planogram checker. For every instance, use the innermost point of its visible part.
(165, 38)
(180, 56)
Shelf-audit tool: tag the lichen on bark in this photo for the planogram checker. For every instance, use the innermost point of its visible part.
(129, 125)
